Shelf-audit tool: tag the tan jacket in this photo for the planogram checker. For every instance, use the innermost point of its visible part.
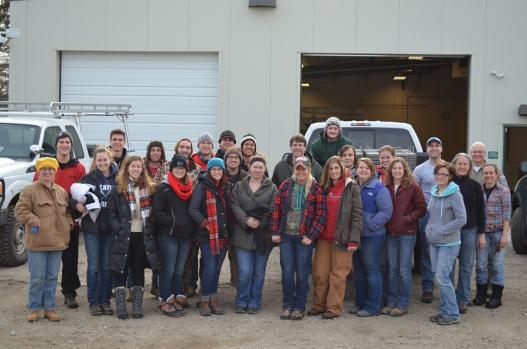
(46, 208)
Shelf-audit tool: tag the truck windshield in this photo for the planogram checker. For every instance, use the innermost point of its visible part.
(15, 140)
(374, 138)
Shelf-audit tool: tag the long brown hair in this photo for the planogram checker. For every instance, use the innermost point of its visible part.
(123, 178)
(347, 147)
(98, 150)
(408, 178)
(325, 182)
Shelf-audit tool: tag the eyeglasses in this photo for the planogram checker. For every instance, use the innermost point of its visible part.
(441, 174)
(47, 169)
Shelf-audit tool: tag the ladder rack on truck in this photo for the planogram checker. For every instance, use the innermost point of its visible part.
(59, 110)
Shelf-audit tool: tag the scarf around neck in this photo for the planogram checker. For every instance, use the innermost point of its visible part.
(183, 191)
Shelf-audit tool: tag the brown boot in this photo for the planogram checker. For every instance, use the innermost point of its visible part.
(204, 308)
(182, 300)
(215, 307)
(51, 315)
(33, 316)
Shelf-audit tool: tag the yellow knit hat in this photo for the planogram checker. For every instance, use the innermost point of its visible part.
(47, 162)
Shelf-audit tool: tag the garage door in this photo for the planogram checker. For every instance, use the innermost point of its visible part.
(172, 95)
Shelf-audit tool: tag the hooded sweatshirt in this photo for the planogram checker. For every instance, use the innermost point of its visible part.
(447, 216)
(323, 148)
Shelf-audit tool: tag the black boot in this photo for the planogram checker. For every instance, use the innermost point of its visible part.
(495, 298)
(137, 302)
(120, 303)
(481, 295)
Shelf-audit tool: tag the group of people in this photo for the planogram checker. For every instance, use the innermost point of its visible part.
(359, 219)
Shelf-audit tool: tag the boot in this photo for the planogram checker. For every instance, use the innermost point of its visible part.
(481, 295)
(215, 307)
(120, 303)
(495, 298)
(137, 302)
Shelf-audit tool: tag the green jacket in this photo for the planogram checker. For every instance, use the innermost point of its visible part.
(322, 149)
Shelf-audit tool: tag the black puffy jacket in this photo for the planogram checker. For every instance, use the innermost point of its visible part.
(120, 221)
(170, 213)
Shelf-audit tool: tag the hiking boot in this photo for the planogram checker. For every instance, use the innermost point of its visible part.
(286, 314)
(328, 315)
(107, 309)
(481, 294)
(168, 309)
(297, 315)
(398, 312)
(463, 308)
(51, 315)
(204, 308)
(182, 300)
(70, 301)
(435, 318)
(314, 312)
(96, 310)
(495, 298)
(448, 321)
(33, 316)
(215, 307)
(137, 301)
(387, 309)
(120, 303)
(427, 297)
(240, 310)
(252, 311)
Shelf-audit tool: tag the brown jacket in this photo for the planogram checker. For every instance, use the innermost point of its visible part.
(46, 208)
(349, 223)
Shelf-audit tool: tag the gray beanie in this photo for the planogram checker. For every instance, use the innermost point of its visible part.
(333, 120)
(205, 137)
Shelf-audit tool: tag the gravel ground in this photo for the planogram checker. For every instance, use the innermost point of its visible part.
(504, 327)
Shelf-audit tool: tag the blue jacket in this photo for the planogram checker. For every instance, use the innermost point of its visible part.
(376, 206)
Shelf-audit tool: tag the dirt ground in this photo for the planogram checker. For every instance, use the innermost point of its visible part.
(505, 327)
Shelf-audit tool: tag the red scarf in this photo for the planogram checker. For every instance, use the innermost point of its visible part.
(183, 191)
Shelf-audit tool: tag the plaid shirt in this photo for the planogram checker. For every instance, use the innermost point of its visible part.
(497, 208)
(313, 212)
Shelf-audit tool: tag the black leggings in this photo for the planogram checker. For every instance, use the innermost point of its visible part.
(135, 263)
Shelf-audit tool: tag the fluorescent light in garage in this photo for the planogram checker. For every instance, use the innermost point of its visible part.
(415, 58)
(305, 84)
(399, 77)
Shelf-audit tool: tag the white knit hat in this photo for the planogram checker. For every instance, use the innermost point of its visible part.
(333, 120)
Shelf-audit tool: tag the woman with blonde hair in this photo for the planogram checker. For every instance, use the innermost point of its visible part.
(408, 206)
(134, 246)
(337, 241)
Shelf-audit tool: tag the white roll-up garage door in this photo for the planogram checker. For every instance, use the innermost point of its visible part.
(173, 95)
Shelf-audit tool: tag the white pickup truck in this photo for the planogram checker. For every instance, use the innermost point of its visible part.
(369, 136)
(28, 131)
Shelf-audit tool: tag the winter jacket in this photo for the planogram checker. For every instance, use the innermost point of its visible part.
(322, 149)
(120, 221)
(238, 177)
(376, 208)
(284, 169)
(103, 187)
(46, 208)
(170, 213)
(349, 222)
(244, 202)
(447, 215)
(67, 173)
(201, 165)
(198, 208)
(473, 200)
(120, 161)
(313, 212)
(409, 206)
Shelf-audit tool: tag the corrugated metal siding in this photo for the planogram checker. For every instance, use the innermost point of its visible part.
(173, 95)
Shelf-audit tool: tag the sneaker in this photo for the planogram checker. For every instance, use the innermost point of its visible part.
(33, 316)
(240, 310)
(398, 312)
(463, 308)
(328, 315)
(314, 312)
(448, 321)
(435, 318)
(286, 314)
(364, 313)
(353, 310)
(204, 308)
(387, 309)
(96, 310)
(107, 309)
(427, 297)
(51, 315)
(252, 311)
(297, 315)
(70, 301)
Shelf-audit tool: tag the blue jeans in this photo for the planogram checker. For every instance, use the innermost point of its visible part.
(43, 271)
(400, 249)
(467, 252)
(251, 275)
(427, 279)
(173, 253)
(98, 274)
(211, 270)
(295, 260)
(368, 276)
(490, 252)
(443, 259)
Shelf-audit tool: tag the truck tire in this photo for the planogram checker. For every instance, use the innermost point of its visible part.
(518, 232)
(12, 249)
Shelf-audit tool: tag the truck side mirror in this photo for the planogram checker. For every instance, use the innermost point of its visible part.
(523, 166)
(35, 149)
